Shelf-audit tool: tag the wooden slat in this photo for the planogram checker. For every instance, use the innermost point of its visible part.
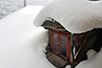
(53, 25)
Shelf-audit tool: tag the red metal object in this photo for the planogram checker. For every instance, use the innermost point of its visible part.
(59, 34)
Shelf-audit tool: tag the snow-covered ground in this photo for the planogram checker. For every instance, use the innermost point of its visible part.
(94, 62)
(9, 6)
(22, 45)
(38, 2)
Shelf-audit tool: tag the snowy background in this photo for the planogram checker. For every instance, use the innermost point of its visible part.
(9, 6)
(22, 45)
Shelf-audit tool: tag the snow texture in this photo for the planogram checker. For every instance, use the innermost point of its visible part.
(68, 66)
(77, 16)
(38, 2)
(22, 45)
(9, 6)
(91, 53)
(94, 62)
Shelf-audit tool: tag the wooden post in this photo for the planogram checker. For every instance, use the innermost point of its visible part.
(72, 51)
(25, 3)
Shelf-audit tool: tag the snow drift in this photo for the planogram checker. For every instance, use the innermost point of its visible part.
(22, 45)
(76, 16)
(94, 62)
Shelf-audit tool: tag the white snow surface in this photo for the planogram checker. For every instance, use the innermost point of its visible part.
(91, 53)
(94, 62)
(22, 45)
(77, 16)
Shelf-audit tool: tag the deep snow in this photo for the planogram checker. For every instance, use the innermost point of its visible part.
(94, 62)
(22, 45)
(9, 6)
(76, 16)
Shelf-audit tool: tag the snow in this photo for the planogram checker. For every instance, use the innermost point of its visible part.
(91, 53)
(22, 45)
(30, 10)
(38, 2)
(94, 62)
(9, 6)
(68, 66)
(77, 16)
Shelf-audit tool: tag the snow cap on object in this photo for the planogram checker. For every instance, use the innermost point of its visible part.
(68, 66)
(91, 53)
(77, 16)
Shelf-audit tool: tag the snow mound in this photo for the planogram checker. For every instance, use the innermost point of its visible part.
(22, 45)
(91, 53)
(94, 62)
(76, 16)
(68, 66)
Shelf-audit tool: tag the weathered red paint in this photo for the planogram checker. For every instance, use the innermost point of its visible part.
(65, 34)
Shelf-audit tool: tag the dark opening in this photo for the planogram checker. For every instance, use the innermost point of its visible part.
(94, 0)
(98, 42)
